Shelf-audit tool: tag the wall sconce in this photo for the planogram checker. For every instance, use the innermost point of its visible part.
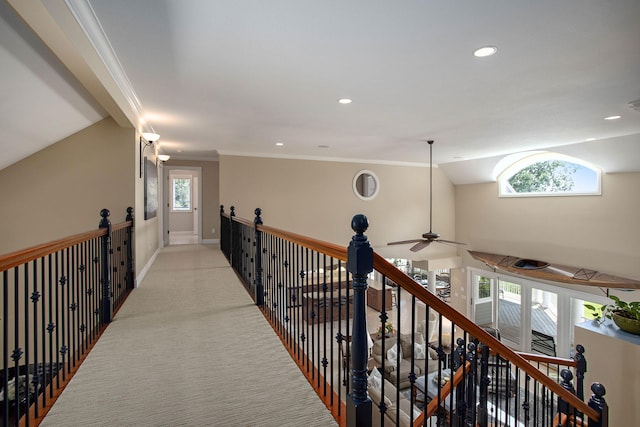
(146, 139)
(163, 158)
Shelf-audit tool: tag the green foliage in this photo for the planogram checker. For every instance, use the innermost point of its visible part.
(622, 308)
(544, 177)
(182, 193)
(484, 288)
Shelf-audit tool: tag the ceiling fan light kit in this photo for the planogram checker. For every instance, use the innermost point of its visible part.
(430, 236)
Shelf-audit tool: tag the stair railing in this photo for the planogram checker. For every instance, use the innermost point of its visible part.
(317, 297)
(57, 299)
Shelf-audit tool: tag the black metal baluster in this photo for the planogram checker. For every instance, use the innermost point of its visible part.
(35, 297)
(53, 339)
(60, 308)
(483, 416)
(309, 314)
(321, 286)
(17, 352)
(258, 258)
(5, 342)
(27, 358)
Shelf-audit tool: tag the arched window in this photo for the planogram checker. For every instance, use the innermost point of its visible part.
(549, 174)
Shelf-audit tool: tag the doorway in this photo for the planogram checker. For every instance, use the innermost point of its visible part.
(182, 222)
(532, 316)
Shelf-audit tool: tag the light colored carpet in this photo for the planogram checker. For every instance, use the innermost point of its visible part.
(189, 348)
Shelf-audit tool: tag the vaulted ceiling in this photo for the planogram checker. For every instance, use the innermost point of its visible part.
(237, 77)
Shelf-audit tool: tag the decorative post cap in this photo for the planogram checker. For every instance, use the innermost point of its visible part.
(566, 375)
(359, 224)
(359, 252)
(104, 213)
(598, 389)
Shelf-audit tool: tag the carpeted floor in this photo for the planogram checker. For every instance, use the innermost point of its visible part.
(189, 348)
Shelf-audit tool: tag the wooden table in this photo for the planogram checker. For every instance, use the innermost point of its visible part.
(374, 296)
(327, 306)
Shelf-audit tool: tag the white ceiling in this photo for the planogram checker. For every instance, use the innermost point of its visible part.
(235, 77)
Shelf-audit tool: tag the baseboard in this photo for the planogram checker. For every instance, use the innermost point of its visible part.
(146, 268)
(210, 241)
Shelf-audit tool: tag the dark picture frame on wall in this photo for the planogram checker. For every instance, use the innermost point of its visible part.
(150, 189)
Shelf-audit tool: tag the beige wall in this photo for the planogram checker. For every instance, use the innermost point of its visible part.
(146, 231)
(316, 198)
(210, 203)
(59, 191)
(596, 232)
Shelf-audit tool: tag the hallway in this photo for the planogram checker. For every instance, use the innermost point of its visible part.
(189, 348)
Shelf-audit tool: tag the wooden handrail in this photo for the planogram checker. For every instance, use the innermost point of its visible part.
(23, 256)
(243, 221)
(407, 283)
(432, 406)
(533, 357)
(336, 251)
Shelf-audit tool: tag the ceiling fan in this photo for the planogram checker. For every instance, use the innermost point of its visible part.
(430, 236)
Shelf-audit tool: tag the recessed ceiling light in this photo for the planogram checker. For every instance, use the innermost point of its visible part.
(279, 144)
(345, 101)
(485, 51)
(612, 117)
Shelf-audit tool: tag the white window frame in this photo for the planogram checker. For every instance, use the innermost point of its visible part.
(172, 206)
(565, 338)
(509, 171)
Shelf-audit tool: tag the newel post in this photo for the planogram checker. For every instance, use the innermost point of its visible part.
(258, 258)
(130, 262)
(105, 268)
(359, 264)
(581, 368)
(598, 403)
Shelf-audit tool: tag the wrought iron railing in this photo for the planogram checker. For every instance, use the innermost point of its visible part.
(380, 349)
(57, 298)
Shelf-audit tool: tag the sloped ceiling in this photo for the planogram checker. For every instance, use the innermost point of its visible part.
(237, 77)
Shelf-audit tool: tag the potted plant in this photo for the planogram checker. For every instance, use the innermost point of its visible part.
(624, 314)
(387, 330)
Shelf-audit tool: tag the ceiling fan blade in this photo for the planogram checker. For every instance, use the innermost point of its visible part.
(449, 241)
(404, 242)
(420, 245)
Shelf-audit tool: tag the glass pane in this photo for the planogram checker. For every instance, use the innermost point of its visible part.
(484, 287)
(544, 322)
(181, 193)
(483, 303)
(509, 301)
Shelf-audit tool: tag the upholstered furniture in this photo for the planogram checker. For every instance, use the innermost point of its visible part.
(402, 407)
(425, 358)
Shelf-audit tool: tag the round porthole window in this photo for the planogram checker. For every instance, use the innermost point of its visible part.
(366, 185)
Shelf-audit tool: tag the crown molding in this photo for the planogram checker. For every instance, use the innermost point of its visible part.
(86, 18)
(323, 159)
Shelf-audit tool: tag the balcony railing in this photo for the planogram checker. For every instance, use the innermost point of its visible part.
(380, 349)
(57, 298)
